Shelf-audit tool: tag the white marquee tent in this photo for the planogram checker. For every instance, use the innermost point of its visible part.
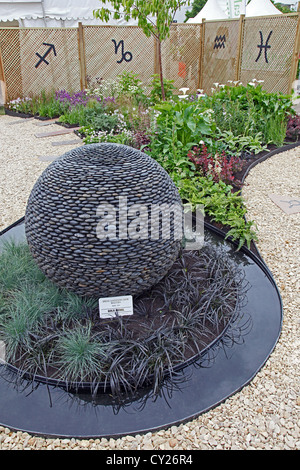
(55, 13)
(211, 11)
(220, 9)
(261, 8)
(51, 13)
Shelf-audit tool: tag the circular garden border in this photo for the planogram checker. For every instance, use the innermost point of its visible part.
(224, 369)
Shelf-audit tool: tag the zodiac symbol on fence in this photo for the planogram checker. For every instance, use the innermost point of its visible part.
(262, 46)
(127, 56)
(43, 58)
(220, 42)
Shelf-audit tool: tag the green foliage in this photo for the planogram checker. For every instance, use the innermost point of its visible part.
(197, 6)
(79, 353)
(221, 204)
(275, 129)
(49, 106)
(51, 331)
(16, 264)
(44, 105)
(238, 144)
(91, 115)
(93, 136)
(130, 86)
(281, 7)
(250, 112)
(156, 92)
(143, 12)
(179, 126)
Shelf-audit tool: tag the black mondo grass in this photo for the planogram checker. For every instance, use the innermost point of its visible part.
(56, 335)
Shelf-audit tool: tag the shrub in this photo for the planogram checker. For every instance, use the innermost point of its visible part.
(219, 167)
(293, 127)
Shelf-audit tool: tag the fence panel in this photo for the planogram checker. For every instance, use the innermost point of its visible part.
(180, 55)
(37, 59)
(194, 56)
(111, 50)
(221, 40)
(268, 46)
(11, 60)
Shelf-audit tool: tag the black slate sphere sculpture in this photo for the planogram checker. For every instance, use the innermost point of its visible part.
(92, 221)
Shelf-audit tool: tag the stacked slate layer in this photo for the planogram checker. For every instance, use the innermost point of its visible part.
(66, 206)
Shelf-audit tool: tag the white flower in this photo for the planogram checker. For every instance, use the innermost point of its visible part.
(199, 91)
(260, 81)
(216, 85)
(200, 95)
(184, 90)
(251, 83)
(182, 96)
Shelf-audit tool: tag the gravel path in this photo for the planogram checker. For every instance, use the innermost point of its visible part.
(264, 414)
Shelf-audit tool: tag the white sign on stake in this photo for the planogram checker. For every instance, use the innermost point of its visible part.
(111, 307)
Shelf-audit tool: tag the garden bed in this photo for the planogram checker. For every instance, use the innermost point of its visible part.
(207, 145)
(173, 324)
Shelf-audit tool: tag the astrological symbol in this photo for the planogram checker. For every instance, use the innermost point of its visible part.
(127, 56)
(43, 58)
(262, 46)
(220, 42)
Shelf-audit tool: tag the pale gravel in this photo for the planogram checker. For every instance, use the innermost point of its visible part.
(265, 413)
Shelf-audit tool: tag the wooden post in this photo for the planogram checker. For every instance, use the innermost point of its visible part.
(81, 55)
(2, 80)
(201, 54)
(295, 57)
(239, 48)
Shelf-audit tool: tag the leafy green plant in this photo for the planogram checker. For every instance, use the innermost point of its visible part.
(238, 144)
(245, 110)
(275, 130)
(156, 91)
(91, 115)
(49, 106)
(129, 85)
(179, 127)
(93, 136)
(221, 204)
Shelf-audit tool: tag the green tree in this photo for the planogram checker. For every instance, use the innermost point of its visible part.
(154, 18)
(281, 7)
(197, 6)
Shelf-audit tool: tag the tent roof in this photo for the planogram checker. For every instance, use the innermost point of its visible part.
(58, 10)
(55, 9)
(261, 8)
(210, 11)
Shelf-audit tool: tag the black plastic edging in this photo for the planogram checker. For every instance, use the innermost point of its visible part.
(268, 155)
(12, 226)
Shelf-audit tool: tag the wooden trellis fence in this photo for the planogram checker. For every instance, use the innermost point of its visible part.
(194, 56)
